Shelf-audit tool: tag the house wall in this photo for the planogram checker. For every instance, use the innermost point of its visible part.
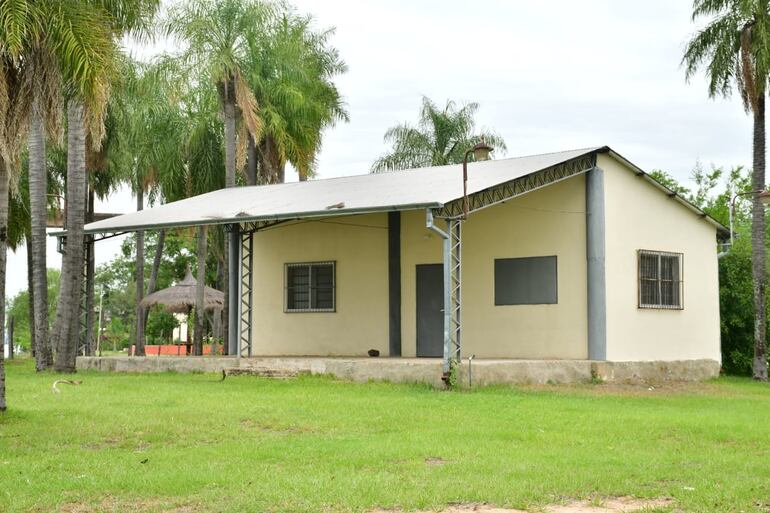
(550, 221)
(542, 223)
(359, 245)
(547, 222)
(639, 216)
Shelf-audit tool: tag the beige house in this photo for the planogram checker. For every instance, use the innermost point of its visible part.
(576, 255)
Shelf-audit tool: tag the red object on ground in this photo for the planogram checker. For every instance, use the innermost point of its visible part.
(176, 349)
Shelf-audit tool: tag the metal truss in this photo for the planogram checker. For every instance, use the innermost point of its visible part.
(246, 292)
(83, 317)
(519, 186)
(454, 229)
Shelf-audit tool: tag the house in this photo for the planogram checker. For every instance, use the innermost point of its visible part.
(570, 256)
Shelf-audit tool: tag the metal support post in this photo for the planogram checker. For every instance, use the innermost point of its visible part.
(455, 282)
(452, 246)
(234, 281)
(83, 318)
(246, 293)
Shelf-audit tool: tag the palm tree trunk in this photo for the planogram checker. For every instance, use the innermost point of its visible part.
(31, 299)
(90, 276)
(4, 191)
(251, 163)
(218, 325)
(758, 243)
(270, 165)
(70, 295)
(229, 108)
(38, 188)
(200, 317)
(139, 340)
(153, 283)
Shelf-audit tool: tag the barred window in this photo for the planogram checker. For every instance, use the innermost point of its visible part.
(661, 282)
(310, 287)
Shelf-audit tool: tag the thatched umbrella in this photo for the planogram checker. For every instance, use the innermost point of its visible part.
(181, 297)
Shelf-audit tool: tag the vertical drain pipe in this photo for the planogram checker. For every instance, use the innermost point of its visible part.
(447, 285)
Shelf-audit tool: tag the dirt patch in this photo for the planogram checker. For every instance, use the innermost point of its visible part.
(635, 389)
(434, 462)
(107, 443)
(270, 427)
(114, 505)
(603, 505)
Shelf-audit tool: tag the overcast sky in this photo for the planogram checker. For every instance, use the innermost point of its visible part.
(549, 76)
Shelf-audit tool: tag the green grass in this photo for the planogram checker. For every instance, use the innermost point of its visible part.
(317, 444)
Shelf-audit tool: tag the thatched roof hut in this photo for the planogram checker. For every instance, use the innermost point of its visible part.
(181, 297)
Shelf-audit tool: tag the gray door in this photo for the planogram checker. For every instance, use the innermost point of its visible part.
(430, 315)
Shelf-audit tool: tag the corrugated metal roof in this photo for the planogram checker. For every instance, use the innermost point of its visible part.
(396, 190)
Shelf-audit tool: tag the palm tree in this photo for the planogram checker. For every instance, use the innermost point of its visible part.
(85, 109)
(146, 145)
(734, 48)
(441, 137)
(217, 35)
(291, 67)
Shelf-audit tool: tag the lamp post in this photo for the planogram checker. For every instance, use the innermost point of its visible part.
(481, 153)
(764, 198)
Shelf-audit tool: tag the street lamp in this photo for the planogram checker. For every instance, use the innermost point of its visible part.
(764, 198)
(481, 153)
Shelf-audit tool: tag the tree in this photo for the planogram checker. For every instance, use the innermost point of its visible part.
(441, 137)
(86, 106)
(735, 50)
(290, 69)
(18, 308)
(146, 143)
(217, 35)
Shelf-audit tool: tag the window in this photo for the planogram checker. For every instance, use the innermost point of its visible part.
(310, 287)
(660, 280)
(525, 281)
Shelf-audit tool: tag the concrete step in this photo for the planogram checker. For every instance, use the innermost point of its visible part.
(262, 372)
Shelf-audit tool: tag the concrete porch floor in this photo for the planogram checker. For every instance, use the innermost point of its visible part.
(417, 370)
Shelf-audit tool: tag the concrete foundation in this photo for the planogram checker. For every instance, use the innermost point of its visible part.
(418, 370)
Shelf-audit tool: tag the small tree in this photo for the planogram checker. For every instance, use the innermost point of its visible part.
(441, 137)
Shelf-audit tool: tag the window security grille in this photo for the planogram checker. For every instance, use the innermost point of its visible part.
(310, 287)
(661, 283)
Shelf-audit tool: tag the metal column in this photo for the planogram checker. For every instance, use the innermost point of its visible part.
(452, 259)
(246, 292)
(233, 237)
(455, 282)
(84, 313)
(595, 257)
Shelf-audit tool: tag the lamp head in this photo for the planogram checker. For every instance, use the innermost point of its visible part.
(481, 151)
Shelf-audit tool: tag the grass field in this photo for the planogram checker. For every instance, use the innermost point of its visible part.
(157, 442)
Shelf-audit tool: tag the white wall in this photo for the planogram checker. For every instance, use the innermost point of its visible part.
(639, 216)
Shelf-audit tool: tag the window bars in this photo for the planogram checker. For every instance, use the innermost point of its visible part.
(310, 287)
(661, 280)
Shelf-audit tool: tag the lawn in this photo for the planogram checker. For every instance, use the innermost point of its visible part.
(144, 443)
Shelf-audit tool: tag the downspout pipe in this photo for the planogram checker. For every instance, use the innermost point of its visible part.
(447, 285)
